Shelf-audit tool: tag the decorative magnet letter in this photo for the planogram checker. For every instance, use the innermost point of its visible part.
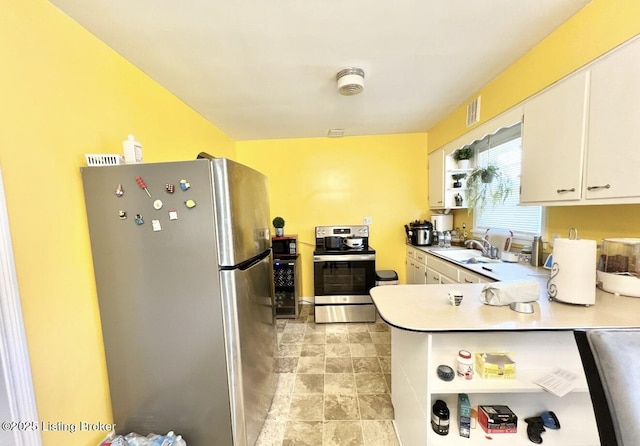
(119, 191)
(184, 185)
(173, 214)
(190, 204)
(157, 204)
(122, 215)
(170, 188)
(139, 219)
(155, 224)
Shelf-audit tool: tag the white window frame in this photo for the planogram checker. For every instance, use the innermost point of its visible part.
(506, 119)
(479, 229)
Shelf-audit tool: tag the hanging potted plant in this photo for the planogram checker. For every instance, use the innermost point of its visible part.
(486, 184)
(463, 156)
(278, 223)
(456, 179)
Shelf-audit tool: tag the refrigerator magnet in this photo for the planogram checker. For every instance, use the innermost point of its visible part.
(173, 214)
(170, 188)
(122, 215)
(119, 191)
(139, 219)
(190, 204)
(157, 204)
(184, 185)
(155, 224)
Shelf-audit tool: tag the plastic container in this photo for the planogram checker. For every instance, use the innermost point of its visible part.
(618, 269)
(465, 364)
(132, 150)
(440, 418)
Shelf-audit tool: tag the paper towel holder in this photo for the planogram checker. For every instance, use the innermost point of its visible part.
(585, 292)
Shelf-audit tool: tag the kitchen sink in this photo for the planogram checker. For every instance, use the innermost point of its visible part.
(464, 255)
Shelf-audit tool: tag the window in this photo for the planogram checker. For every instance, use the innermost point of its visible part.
(504, 149)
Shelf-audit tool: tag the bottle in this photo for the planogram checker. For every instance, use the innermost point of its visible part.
(132, 150)
(440, 418)
(536, 251)
(465, 365)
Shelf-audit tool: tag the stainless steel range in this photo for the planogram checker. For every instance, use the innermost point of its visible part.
(344, 271)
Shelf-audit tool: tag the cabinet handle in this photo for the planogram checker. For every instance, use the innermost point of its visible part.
(468, 281)
(607, 186)
(573, 189)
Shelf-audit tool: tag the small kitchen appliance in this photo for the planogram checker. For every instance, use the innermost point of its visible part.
(619, 266)
(419, 233)
(442, 222)
(284, 246)
(344, 271)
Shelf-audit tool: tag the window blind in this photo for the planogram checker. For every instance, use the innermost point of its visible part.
(504, 149)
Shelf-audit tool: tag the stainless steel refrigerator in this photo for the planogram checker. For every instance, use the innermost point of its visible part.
(184, 275)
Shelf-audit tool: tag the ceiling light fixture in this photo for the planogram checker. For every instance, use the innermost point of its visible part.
(350, 81)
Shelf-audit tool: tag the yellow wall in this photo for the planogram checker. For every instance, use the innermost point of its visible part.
(63, 93)
(599, 27)
(339, 181)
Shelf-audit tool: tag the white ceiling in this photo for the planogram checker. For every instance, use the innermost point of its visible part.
(264, 69)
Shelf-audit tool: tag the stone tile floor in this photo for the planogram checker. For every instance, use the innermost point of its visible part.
(334, 384)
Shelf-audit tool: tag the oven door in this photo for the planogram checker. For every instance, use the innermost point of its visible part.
(343, 278)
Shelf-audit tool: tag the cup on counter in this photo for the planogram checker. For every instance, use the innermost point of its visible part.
(455, 297)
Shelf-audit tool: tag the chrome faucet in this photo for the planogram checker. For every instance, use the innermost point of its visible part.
(488, 250)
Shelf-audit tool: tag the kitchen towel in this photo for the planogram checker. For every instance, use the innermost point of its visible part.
(573, 273)
(505, 293)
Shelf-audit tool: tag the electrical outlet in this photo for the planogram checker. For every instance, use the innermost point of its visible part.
(366, 221)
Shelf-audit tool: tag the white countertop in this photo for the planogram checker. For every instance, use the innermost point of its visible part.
(427, 308)
(500, 271)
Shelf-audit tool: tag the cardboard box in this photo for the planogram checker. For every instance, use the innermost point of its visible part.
(495, 366)
(464, 415)
(497, 419)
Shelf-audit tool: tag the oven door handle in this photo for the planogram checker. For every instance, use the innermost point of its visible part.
(344, 258)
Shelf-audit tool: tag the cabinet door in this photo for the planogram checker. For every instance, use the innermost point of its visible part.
(445, 279)
(433, 276)
(553, 141)
(420, 274)
(613, 159)
(436, 179)
(411, 265)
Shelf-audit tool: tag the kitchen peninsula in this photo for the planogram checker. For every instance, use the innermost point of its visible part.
(426, 331)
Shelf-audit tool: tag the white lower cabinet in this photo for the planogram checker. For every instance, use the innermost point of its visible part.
(416, 387)
(415, 266)
(423, 268)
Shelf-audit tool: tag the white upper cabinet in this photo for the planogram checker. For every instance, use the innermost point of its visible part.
(613, 162)
(553, 142)
(436, 179)
(580, 135)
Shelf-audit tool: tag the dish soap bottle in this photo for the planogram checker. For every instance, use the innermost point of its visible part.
(132, 150)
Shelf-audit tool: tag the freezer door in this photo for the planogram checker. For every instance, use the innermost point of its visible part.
(250, 331)
(241, 201)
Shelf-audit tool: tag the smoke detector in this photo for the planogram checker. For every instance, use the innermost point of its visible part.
(350, 81)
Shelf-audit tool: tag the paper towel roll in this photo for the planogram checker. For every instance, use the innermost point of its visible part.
(573, 273)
